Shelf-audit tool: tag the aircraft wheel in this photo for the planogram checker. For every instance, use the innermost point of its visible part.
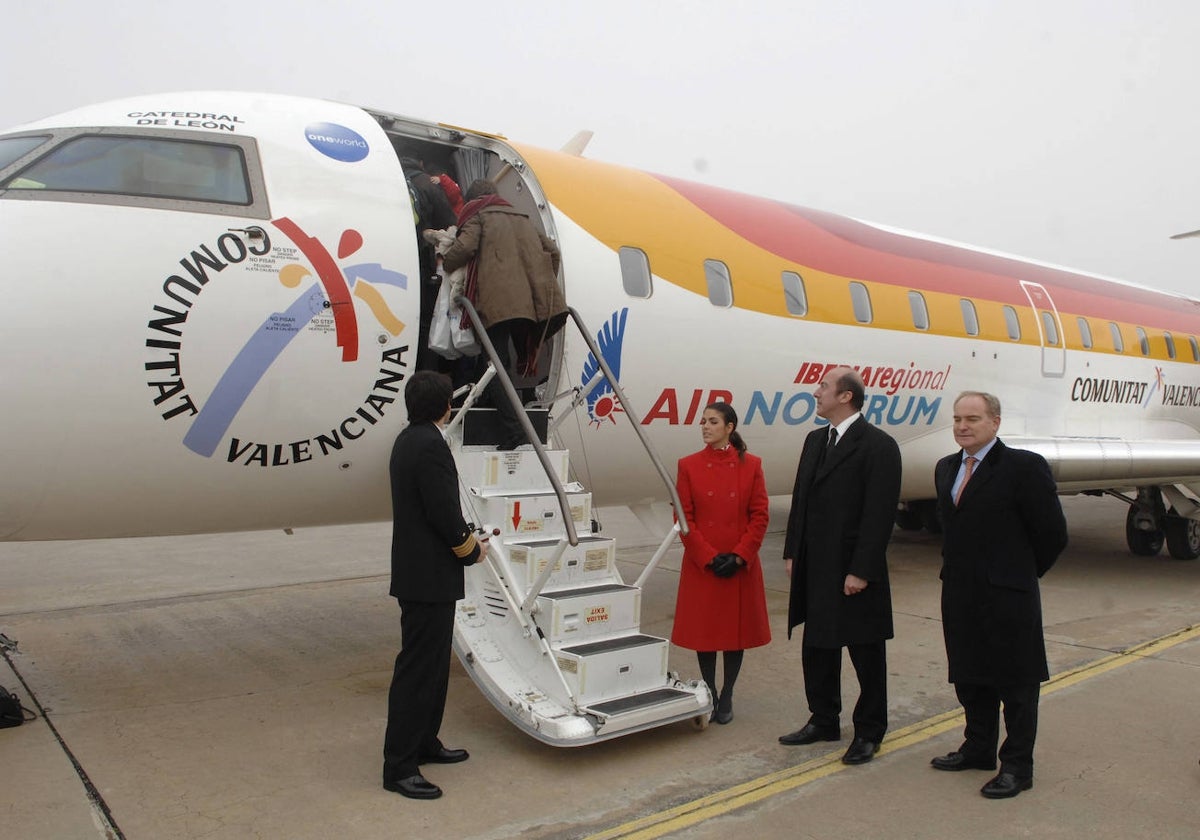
(1183, 537)
(1141, 543)
(909, 519)
(700, 722)
(929, 516)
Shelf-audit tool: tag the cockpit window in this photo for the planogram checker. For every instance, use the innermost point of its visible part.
(12, 148)
(140, 166)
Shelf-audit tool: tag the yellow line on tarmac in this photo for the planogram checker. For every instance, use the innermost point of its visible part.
(781, 781)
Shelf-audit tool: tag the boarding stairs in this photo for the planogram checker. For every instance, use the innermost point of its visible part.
(548, 629)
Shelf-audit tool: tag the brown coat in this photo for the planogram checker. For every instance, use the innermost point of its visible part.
(517, 268)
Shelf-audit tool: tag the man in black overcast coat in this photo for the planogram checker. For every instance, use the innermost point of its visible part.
(843, 511)
(1003, 529)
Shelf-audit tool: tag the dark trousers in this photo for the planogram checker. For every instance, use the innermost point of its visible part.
(823, 687)
(417, 697)
(506, 336)
(982, 706)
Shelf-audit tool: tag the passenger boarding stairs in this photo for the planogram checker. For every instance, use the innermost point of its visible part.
(548, 629)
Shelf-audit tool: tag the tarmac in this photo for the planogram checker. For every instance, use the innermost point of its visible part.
(234, 686)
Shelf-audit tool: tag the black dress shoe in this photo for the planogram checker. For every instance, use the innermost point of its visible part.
(414, 787)
(1005, 786)
(961, 761)
(861, 751)
(722, 716)
(444, 756)
(810, 733)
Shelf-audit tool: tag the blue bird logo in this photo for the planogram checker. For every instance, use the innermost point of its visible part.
(601, 402)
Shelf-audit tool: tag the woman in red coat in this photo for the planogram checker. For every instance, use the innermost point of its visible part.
(722, 604)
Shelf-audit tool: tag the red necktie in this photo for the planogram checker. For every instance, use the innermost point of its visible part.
(970, 461)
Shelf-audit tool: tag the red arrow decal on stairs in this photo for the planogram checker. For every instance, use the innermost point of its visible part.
(516, 520)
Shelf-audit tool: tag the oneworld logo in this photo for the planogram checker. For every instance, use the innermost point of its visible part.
(337, 141)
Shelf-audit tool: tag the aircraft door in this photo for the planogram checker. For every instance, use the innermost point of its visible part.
(1050, 332)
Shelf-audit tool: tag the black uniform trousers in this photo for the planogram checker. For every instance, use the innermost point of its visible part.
(982, 706)
(823, 687)
(420, 679)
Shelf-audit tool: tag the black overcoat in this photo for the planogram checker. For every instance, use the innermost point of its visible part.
(1006, 531)
(843, 512)
(431, 543)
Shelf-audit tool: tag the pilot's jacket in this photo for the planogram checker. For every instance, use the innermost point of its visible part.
(431, 543)
(725, 503)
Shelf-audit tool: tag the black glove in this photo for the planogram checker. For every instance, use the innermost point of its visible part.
(725, 565)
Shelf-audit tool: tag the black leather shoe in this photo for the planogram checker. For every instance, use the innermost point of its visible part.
(414, 787)
(444, 756)
(861, 751)
(1006, 786)
(723, 716)
(809, 734)
(961, 761)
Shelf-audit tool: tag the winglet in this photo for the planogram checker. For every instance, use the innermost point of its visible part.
(577, 144)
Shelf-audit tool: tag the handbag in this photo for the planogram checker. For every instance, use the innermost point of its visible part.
(447, 337)
(12, 713)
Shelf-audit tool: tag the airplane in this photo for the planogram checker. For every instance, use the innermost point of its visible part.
(213, 299)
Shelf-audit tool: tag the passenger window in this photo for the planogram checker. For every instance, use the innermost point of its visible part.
(1170, 339)
(970, 317)
(1118, 341)
(720, 286)
(1050, 329)
(140, 166)
(793, 294)
(860, 298)
(1085, 332)
(12, 148)
(1012, 323)
(920, 312)
(1143, 341)
(1195, 348)
(635, 271)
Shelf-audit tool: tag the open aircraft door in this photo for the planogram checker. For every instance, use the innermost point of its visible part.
(1054, 351)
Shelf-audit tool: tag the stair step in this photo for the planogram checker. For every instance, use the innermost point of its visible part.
(615, 667)
(482, 427)
(648, 709)
(573, 615)
(593, 561)
(520, 469)
(525, 514)
(610, 645)
(632, 702)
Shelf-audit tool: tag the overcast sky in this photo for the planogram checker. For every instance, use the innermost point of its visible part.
(1061, 130)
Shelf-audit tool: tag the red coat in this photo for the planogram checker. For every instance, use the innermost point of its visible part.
(725, 503)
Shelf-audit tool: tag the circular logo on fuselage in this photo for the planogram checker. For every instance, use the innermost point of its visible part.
(337, 141)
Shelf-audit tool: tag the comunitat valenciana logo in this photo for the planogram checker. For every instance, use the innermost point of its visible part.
(337, 141)
(259, 372)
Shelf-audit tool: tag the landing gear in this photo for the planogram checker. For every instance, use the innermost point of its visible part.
(1142, 542)
(1143, 524)
(919, 514)
(908, 518)
(1183, 536)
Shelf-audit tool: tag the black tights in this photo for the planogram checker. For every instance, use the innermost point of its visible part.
(732, 661)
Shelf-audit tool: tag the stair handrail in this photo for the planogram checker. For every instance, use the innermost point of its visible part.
(510, 391)
(634, 419)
